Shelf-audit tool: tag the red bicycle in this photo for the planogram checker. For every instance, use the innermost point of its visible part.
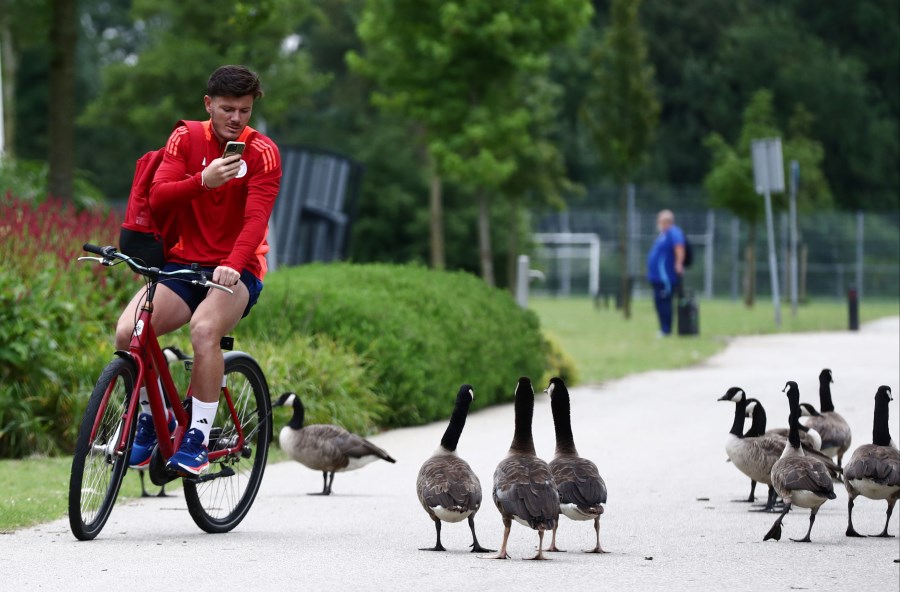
(239, 440)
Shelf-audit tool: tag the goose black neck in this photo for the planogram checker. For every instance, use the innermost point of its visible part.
(562, 423)
(297, 419)
(522, 437)
(457, 423)
(758, 427)
(825, 403)
(881, 431)
(794, 421)
(740, 409)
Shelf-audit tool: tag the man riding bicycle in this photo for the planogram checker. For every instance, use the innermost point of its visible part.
(219, 211)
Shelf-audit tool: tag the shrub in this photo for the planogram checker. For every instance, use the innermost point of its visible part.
(423, 332)
(559, 362)
(54, 320)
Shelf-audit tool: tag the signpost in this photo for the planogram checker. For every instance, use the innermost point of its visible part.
(768, 176)
(795, 186)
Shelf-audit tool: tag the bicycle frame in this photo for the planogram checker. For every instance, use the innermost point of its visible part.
(153, 370)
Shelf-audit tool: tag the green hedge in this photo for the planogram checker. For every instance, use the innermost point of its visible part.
(423, 332)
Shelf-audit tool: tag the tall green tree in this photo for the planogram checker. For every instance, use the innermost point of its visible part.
(621, 111)
(730, 180)
(456, 70)
(61, 118)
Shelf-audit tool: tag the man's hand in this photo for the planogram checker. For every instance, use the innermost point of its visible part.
(221, 171)
(225, 276)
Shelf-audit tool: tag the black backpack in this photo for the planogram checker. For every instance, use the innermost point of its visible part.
(688, 252)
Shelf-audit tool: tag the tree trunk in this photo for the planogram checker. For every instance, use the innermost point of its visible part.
(750, 267)
(625, 288)
(61, 118)
(8, 71)
(436, 218)
(512, 255)
(485, 252)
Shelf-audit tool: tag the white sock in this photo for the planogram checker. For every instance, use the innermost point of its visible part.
(144, 401)
(202, 416)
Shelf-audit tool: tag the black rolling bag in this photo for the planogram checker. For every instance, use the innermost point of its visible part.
(688, 313)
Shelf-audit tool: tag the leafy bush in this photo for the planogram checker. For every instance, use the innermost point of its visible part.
(423, 332)
(333, 382)
(54, 319)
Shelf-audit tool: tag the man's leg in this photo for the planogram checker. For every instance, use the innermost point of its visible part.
(662, 300)
(214, 318)
(169, 313)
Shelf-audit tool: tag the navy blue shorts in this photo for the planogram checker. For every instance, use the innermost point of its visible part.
(193, 295)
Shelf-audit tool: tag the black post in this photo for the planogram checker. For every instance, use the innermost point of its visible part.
(853, 308)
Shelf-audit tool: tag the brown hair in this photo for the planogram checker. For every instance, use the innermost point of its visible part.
(233, 81)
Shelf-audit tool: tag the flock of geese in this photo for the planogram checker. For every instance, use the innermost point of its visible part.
(796, 462)
(526, 489)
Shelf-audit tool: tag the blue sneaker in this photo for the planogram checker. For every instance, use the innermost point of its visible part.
(145, 440)
(192, 457)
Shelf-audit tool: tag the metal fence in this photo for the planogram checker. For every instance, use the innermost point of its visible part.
(837, 250)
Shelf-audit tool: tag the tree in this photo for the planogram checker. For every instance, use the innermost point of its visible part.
(456, 70)
(730, 180)
(621, 112)
(183, 42)
(61, 118)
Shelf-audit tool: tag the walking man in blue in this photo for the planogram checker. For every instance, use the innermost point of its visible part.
(665, 266)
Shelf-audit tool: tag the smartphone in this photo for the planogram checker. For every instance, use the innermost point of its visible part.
(232, 148)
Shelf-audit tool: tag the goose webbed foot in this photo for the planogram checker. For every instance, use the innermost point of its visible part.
(851, 532)
(326, 484)
(554, 549)
(501, 554)
(882, 535)
(540, 549)
(774, 532)
(805, 539)
(437, 547)
(598, 550)
(476, 547)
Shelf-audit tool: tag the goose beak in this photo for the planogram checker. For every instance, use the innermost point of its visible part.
(723, 398)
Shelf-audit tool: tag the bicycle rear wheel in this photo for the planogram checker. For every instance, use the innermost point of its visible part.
(97, 470)
(220, 502)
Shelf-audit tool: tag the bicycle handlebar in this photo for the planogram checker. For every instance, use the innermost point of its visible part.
(109, 253)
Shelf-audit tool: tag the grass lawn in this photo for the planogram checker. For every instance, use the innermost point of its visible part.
(603, 344)
(606, 346)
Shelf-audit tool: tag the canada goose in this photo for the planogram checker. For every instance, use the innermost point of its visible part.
(874, 469)
(799, 479)
(581, 488)
(758, 427)
(324, 447)
(524, 489)
(809, 438)
(753, 455)
(447, 487)
(831, 426)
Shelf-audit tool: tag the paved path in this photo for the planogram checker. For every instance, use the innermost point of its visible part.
(657, 437)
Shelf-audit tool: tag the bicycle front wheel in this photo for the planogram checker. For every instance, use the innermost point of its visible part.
(97, 468)
(220, 502)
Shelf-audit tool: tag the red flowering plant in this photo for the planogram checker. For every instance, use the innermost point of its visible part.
(56, 319)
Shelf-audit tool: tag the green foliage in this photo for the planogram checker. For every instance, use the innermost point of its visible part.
(334, 383)
(53, 321)
(730, 181)
(27, 179)
(423, 332)
(621, 108)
